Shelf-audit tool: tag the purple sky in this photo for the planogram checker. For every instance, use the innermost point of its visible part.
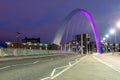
(42, 18)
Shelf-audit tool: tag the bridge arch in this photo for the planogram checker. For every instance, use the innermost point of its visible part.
(59, 35)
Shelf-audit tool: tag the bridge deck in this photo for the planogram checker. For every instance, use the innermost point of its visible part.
(91, 68)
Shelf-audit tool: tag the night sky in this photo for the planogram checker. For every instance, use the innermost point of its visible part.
(42, 18)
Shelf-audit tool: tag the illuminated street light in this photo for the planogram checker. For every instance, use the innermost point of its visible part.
(35, 44)
(104, 38)
(8, 43)
(112, 31)
(118, 24)
(107, 36)
(102, 41)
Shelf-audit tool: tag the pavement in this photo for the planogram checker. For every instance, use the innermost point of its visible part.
(32, 68)
(93, 67)
(82, 67)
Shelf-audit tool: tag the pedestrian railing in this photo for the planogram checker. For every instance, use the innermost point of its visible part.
(24, 52)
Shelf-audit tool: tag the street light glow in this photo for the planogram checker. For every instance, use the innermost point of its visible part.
(107, 36)
(104, 38)
(101, 41)
(112, 31)
(118, 24)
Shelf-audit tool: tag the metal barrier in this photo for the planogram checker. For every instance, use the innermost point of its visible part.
(24, 52)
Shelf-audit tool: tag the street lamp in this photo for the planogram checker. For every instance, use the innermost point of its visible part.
(17, 36)
(118, 24)
(104, 39)
(107, 36)
(112, 31)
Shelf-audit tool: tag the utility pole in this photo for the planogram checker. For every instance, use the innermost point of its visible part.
(17, 36)
(81, 43)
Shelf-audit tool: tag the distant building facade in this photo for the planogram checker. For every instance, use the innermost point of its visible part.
(31, 43)
(80, 43)
(3, 45)
(31, 40)
(82, 40)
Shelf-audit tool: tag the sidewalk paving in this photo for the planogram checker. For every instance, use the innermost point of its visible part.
(89, 69)
(112, 59)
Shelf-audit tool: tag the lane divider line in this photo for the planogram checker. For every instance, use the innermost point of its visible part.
(111, 66)
(52, 76)
(56, 69)
(67, 68)
(26, 63)
(45, 78)
(5, 67)
(18, 65)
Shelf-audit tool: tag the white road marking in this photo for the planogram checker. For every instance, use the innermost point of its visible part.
(66, 68)
(69, 63)
(5, 67)
(111, 66)
(19, 64)
(45, 78)
(57, 68)
(35, 62)
(53, 72)
(61, 67)
(26, 63)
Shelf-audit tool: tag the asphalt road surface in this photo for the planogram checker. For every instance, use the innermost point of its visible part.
(92, 68)
(33, 68)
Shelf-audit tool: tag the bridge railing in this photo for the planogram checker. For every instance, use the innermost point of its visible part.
(25, 52)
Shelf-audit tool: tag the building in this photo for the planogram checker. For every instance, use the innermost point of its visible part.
(28, 45)
(3, 45)
(31, 43)
(82, 40)
(14, 45)
(53, 47)
(31, 40)
(93, 47)
(80, 44)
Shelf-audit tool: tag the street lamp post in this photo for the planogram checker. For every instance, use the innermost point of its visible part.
(107, 36)
(112, 31)
(17, 36)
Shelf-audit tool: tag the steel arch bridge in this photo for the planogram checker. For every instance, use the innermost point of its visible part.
(59, 35)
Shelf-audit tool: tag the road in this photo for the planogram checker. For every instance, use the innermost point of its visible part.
(33, 68)
(92, 67)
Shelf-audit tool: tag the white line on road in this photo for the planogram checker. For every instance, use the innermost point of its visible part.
(35, 62)
(67, 68)
(5, 67)
(52, 76)
(57, 68)
(111, 66)
(26, 63)
(18, 65)
(45, 78)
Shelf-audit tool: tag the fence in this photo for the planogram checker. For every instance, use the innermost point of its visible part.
(24, 52)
